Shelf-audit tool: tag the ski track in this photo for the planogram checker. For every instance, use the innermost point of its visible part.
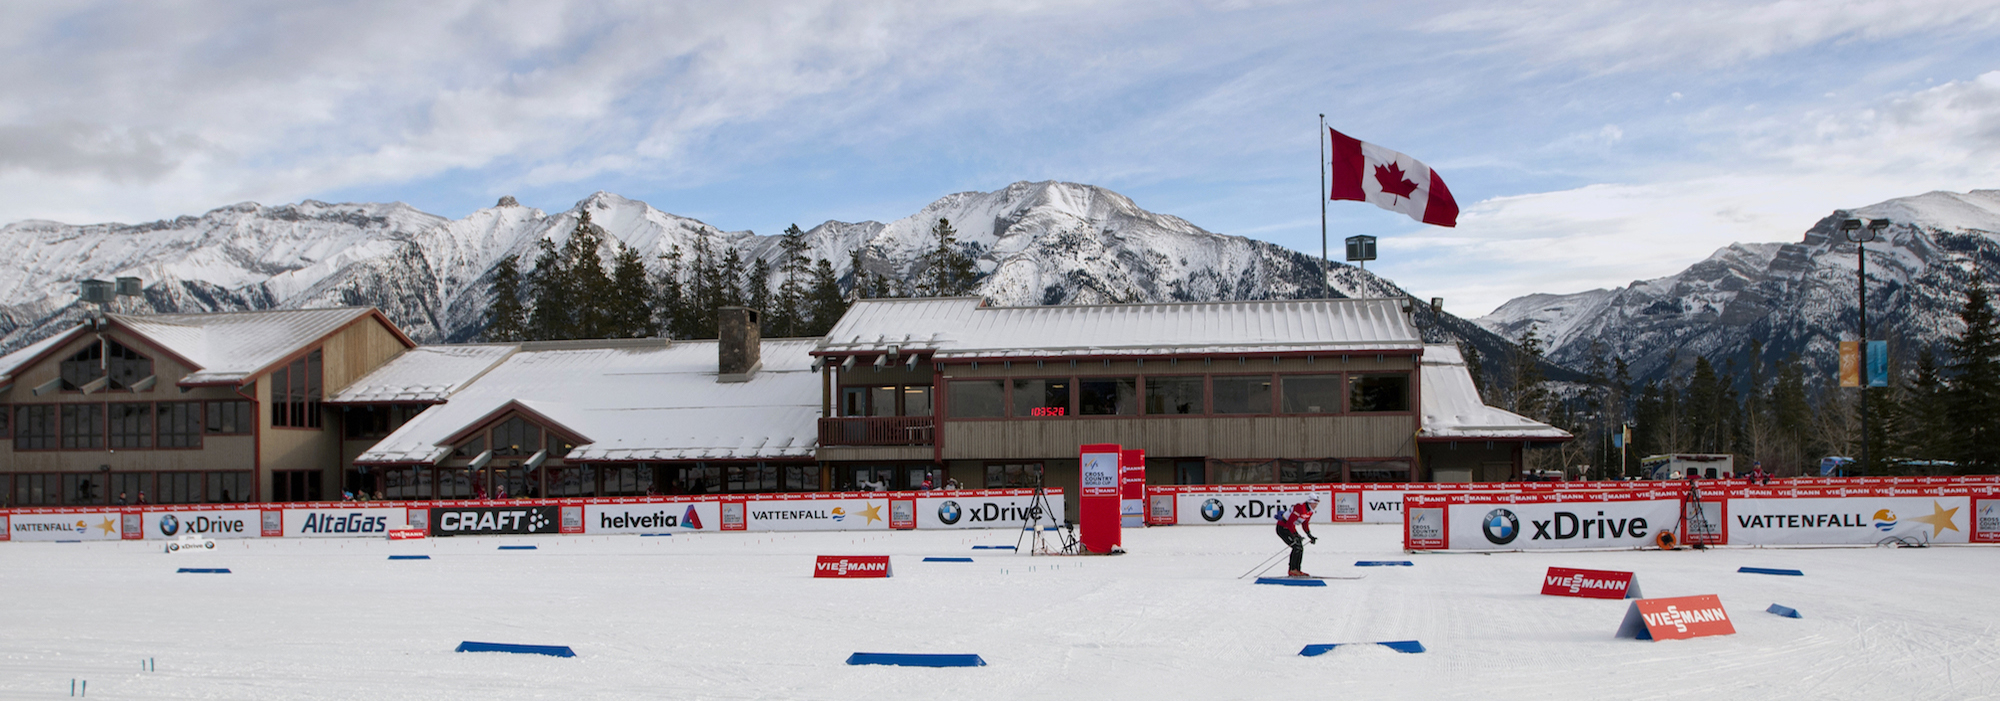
(737, 616)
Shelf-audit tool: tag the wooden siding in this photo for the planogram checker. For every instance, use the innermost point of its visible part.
(1218, 437)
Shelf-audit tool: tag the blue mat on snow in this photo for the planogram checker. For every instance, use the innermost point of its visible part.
(1409, 646)
(517, 547)
(898, 659)
(992, 547)
(947, 559)
(1785, 611)
(1291, 582)
(642, 535)
(409, 557)
(203, 570)
(1384, 563)
(1767, 570)
(550, 650)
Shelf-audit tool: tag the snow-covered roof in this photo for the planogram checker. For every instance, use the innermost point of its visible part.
(958, 327)
(223, 347)
(1452, 407)
(426, 374)
(634, 401)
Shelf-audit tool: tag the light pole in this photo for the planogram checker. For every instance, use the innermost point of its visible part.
(1861, 235)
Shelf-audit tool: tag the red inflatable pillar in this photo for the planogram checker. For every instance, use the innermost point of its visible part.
(1098, 509)
(1132, 489)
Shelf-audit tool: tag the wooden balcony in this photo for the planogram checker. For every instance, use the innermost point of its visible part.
(878, 430)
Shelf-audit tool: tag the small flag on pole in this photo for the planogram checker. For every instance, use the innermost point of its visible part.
(1364, 172)
(1878, 363)
(1850, 364)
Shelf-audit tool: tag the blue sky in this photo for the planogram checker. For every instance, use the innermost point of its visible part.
(1589, 143)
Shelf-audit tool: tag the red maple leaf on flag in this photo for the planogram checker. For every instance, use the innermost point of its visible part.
(1391, 178)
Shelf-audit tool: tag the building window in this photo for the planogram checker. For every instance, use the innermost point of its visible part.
(1393, 470)
(471, 448)
(976, 399)
(1013, 475)
(36, 490)
(802, 478)
(627, 480)
(127, 487)
(516, 436)
(82, 426)
(1242, 395)
(1308, 471)
(406, 483)
(1379, 393)
(1311, 394)
(6, 420)
(83, 368)
(131, 425)
(752, 478)
(179, 488)
(916, 400)
(454, 483)
(180, 423)
(83, 488)
(229, 417)
(1107, 396)
(35, 427)
(1166, 396)
(1041, 398)
(295, 393)
(228, 487)
(700, 479)
(126, 366)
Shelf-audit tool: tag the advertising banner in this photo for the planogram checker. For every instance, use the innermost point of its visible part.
(1678, 618)
(851, 567)
(836, 514)
(902, 514)
(168, 525)
(491, 520)
(1132, 488)
(1858, 520)
(1986, 520)
(1160, 510)
(1235, 508)
(64, 526)
(1590, 584)
(372, 522)
(1099, 526)
(1541, 525)
(650, 518)
(1379, 506)
(997, 508)
(1424, 527)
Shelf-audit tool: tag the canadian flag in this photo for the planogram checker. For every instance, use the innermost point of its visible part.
(1365, 172)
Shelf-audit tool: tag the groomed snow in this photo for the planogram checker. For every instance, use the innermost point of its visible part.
(706, 615)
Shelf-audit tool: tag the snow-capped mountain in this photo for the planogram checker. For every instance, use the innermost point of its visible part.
(1036, 243)
(1794, 297)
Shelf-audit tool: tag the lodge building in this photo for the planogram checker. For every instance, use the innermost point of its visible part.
(305, 405)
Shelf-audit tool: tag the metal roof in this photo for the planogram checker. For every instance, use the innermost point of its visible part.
(229, 347)
(1452, 408)
(654, 402)
(959, 327)
(425, 374)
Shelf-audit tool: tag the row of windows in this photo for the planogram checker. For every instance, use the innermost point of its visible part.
(580, 480)
(378, 420)
(1335, 393)
(123, 488)
(120, 367)
(295, 392)
(515, 436)
(122, 425)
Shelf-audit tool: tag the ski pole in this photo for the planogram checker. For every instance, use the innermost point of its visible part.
(1266, 564)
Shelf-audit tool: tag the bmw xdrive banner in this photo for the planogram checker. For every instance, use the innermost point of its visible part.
(987, 510)
(1560, 525)
(169, 525)
(1236, 508)
(343, 523)
(494, 520)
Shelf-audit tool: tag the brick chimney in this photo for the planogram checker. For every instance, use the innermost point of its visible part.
(738, 342)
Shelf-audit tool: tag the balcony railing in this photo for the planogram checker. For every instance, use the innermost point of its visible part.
(878, 430)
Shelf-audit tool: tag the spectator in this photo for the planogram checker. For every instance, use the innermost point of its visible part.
(121, 499)
(142, 497)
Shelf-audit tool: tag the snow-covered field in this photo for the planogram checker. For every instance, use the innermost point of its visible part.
(704, 615)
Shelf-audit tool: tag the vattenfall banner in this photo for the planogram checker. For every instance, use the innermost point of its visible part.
(1850, 520)
(68, 526)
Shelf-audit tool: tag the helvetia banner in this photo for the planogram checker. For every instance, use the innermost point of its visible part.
(343, 523)
(168, 525)
(493, 520)
(1849, 520)
(1560, 525)
(1237, 508)
(651, 518)
(971, 510)
(45, 527)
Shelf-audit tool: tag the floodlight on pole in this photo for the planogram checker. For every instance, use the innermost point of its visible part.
(1856, 231)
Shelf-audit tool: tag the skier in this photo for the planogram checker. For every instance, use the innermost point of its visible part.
(1290, 522)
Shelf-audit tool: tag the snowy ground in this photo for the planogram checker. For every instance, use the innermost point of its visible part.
(728, 616)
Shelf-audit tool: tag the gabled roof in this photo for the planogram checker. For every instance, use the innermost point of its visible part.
(425, 374)
(221, 347)
(634, 401)
(959, 327)
(1452, 409)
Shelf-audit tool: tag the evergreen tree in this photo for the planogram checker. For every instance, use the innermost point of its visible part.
(729, 279)
(1704, 408)
(1529, 394)
(1973, 401)
(864, 287)
(1926, 432)
(788, 315)
(1474, 366)
(553, 316)
(631, 306)
(1792, 417)
(758, 293)
(506, 319)
(825, 299)
(705, 293)
(947, 270)
(670, 303)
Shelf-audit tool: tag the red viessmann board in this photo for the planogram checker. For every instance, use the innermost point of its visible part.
(1589, 584)
(851, 566)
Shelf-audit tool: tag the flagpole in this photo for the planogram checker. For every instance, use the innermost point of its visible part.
(1326, 287)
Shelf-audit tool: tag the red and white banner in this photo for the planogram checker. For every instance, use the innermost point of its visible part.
(1850, 520)
(407, 534)
(1677, 618)
(1365, 172)
(1986, 520)
(851, 566)
(1590, 584)
(1547, 521)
